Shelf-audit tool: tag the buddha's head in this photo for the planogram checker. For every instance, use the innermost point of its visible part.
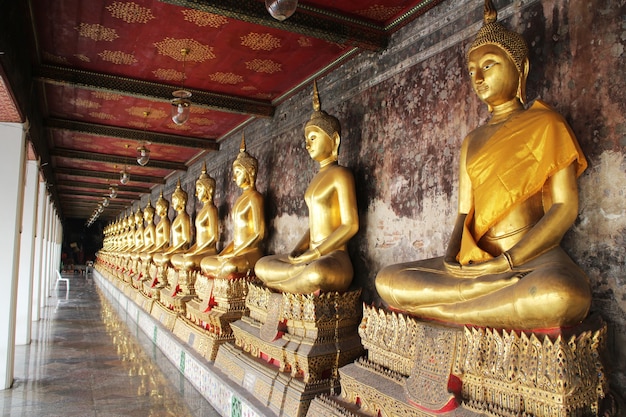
(205, 186)
(139, 216)
(162, 205)
(179, 197)
(498, 61)
(322, 127)
(148, 212)
(244, 167)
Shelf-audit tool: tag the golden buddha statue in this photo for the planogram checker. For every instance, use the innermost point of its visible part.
(139, 231)
(504, 267)
(242, 253)
(320, 261)
(206, 224)
(180, 227)
(149, 233)
(149, 242)
(162, 230)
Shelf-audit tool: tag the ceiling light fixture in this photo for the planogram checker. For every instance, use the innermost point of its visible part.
(181, 102)
(105, 202)
(124, 176)
(281, 9)
(143, 153)
(113, 191)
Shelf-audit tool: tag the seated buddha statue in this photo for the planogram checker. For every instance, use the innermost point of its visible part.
(206, 224)
(149, 241)
(241, 254)
(319, 261)
(139, 231)
(504, 267)
(149, 233)
(162, 229)
(180, 228)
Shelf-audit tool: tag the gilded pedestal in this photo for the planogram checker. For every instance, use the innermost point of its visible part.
(291, 346)
(217, 304)
(421, 369)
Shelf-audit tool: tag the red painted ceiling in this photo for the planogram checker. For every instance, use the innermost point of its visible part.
(105, 71)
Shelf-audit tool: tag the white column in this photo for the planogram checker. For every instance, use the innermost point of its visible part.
(41, 217)
(45, 271)
(27, 254)
(11, 183)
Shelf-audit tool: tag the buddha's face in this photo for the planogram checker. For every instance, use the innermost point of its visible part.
(240, 176)
(318, 144)
(161, 210)
(178, 202)
(494, 76)
(148, 215)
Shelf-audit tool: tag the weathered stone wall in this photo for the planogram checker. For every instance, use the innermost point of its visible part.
(404, 113)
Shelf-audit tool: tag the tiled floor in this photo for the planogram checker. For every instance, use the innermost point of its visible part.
(83, 361)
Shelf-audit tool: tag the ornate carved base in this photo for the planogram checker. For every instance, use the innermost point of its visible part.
(224, 303)
(164, 315)
(412, 367)
(144, 301)
(205, 342)
(285, 395)
(293, 345)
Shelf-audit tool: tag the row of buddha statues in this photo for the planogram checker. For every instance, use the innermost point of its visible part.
(503, 268)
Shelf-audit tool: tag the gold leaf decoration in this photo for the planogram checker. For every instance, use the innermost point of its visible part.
(130, 12)
(249, 88)
(118, 57)
(105, 95)
(168, 74)
(173, 125)
(96, 32)
(264, 65)
(55, 58)
(304, 42)
(83, 58)
(197, 52)
(203, 19)
(203, 121)
(378, 12)
(152, 113)
(226, 78)
(102, 115)
(260, 41)
(85, 104)
(139, 125)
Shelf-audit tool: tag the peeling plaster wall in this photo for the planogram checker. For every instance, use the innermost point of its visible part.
(404, 113)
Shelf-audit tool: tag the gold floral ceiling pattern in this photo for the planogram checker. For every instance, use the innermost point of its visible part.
(103, 63)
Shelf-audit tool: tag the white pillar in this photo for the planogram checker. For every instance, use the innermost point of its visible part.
(11, 177)
(45, 270)
(27, 254)
(39, 255)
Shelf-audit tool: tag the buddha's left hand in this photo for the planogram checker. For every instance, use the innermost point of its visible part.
(497, 265)
(306, 257)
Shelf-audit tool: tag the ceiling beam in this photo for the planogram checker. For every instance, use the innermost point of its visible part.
(98, 186)
(307, 20)
(109, 175)
(90, 194)
(150, 90)
(132, 134)
(121, 160)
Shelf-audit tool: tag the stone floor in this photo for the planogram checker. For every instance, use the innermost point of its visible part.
(83, 361)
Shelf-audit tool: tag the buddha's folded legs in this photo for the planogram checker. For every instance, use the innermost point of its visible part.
(549, 291)
(332, 272)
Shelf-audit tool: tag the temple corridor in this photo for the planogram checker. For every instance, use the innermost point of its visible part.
(84, 361)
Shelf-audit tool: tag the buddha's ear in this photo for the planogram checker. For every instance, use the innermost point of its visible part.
(336, 142)
(521, 87)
